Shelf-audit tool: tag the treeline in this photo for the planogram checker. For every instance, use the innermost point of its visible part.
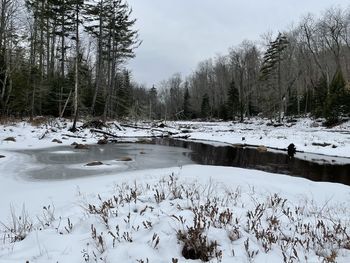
(67, 58)
(64, 57)
(303, 70)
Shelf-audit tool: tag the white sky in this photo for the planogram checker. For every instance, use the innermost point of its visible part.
(177, 34)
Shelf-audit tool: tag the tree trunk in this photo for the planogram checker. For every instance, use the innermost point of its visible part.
(76, 86)
(32, 78)
(279, 83)
(99, 61)
(60, 100)
(65, 104)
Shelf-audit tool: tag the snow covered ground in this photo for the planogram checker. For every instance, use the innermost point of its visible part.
(229, 214)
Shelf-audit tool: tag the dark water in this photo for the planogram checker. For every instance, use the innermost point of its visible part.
(316, 168)
(65, 162)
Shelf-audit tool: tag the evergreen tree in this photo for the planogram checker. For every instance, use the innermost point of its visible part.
(319, 98)
(96, 27)
(223, 112)
(110, 23)
(233, 100)
(271, 68)
(123, 95)
(205, 106)
(38, 11)
(335, 105)
(153, 103)
(187, 107)
(62, 11)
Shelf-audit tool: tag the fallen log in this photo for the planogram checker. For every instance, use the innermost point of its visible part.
(104, 133)
(164, 131)
(325, 144)
(118, 126)
(44, 134)
(135, 127)
(98, 124)
(74, 136)
(121, 137)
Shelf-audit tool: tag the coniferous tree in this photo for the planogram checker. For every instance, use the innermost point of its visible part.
(123, 94)
(271, 69)
(334, 104)
(205, 106)
(319, 97)
(153, 103)
(62, 10)
(233, 103)
(187, 106)
(121, 40)
(96, 27)
(37, 9)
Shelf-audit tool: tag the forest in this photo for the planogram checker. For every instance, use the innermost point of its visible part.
(68, 58)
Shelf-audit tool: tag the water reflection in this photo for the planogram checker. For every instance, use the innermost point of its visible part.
(252, 158)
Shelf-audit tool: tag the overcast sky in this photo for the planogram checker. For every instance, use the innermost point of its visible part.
(177, 34)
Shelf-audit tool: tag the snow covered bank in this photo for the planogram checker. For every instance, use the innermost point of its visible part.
(246, 215)
(47, 134)
(308, 135)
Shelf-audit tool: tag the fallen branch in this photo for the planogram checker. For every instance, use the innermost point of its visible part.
(105, 133)
(121, 137)
(43, 135)
(74, 136)
(118, 126)
(164, 131)
(136, 127)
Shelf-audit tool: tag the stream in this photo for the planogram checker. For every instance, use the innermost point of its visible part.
(65, 162)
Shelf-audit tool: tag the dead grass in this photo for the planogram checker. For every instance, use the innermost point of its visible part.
(296, 232)
(18, 227)
(196, 244)
(9, 120)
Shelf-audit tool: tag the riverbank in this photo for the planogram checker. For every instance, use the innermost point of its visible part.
(158, 215)
(306, 134)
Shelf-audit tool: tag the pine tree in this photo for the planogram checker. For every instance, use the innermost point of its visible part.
(187, 107)
(62, 10)
(233, 103)
(36, 78)
(271, 68)
(110, 23)
(334, 104)
(319, 97)
(96, 27)
(153, 94)
(123, 94)
(205, 106)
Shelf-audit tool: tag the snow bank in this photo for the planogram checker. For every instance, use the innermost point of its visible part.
(137, 216)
